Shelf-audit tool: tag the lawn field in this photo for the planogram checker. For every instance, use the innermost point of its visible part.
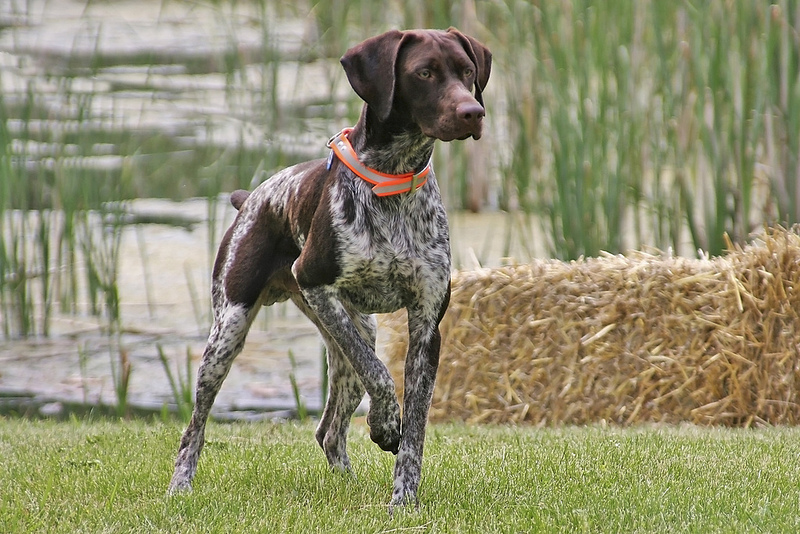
(111, 476)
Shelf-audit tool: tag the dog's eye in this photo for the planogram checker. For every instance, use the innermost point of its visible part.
(468, 72)
(424, 74)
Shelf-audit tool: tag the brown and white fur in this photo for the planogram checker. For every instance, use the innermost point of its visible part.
(318, 235)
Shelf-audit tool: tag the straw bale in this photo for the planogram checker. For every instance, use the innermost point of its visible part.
(623, 339)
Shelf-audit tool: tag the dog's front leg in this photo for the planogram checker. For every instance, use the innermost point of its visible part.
(421, 365)
(384, 412)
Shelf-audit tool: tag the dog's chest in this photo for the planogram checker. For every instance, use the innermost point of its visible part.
(393, 255)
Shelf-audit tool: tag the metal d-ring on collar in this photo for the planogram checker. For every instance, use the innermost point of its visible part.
(385, 184)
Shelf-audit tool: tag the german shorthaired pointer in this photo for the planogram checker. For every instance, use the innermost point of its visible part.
(362, 232)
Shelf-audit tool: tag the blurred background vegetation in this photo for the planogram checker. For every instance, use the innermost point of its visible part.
(611, 125)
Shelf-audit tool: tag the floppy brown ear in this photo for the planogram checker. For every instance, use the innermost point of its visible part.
(481, 56)
(370, 69)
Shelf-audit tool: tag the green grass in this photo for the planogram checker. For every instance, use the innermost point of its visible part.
(112, 476)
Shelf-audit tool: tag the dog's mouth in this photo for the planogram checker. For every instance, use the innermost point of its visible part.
(451, 132)
(457, 129)
(474, 135)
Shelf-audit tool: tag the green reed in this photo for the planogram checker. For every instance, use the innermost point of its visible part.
(782, 60)
(25, 236)
(62, 216)
(642, 123)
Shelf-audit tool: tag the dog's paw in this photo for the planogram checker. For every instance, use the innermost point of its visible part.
(384, 426)
(181, 481)
(179, 487)
(336, 454)
(341, 465)
(403, 501)
(338, 461)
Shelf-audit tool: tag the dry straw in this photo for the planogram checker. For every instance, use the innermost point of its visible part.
(623, 339)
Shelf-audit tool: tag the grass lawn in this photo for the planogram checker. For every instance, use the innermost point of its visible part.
(112, 476)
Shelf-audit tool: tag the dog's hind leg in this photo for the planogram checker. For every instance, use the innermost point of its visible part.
(345, 390)
(345, 327)
(225, 342)
(344, 395)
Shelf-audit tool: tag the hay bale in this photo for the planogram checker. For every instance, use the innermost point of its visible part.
(623, 339)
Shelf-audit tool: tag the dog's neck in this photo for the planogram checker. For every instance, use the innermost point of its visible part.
(394, 148)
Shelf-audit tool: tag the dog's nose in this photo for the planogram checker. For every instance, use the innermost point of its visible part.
(470, 112)
(471, 116)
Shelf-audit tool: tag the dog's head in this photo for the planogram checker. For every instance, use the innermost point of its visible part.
(434, 77)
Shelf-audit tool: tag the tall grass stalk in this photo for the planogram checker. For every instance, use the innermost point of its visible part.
(300, 405)
(182, 387)
(198, 302)
(148, 292)
(324, 380)
(120, 376)
(83, 364)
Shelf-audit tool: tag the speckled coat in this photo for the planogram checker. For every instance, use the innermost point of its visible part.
(317, 234)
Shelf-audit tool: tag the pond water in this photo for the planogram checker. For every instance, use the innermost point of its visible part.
(116, 75)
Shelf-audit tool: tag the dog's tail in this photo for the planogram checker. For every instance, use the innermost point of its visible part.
(238, 197)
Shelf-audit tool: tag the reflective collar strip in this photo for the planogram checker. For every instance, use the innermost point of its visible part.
(385, 184)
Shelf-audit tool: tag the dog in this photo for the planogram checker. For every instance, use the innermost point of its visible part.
(361, 232)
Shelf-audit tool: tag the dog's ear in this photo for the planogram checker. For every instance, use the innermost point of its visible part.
(370, 69)
(481, 56)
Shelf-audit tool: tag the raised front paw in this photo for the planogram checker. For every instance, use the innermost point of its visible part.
(384, 425)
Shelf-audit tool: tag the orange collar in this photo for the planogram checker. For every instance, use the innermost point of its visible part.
(385, 184)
